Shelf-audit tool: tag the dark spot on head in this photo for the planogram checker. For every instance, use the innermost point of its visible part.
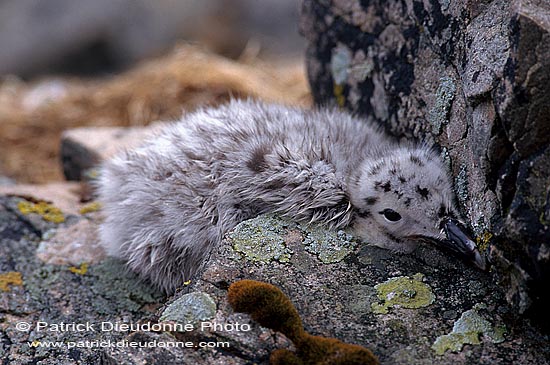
(386, 186)
(377, 185)
(363, 213)
(370, 200)
(393, 171)
(257, 162)
(376, 168)
(408, 202)
(416, 160)
(402, 179)
(399, 194)
(424, 192)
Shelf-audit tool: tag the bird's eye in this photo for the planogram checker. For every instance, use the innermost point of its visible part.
(391, 215)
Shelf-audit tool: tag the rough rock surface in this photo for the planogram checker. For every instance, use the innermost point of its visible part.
(83, 148)
(472, 76)
(424, 309)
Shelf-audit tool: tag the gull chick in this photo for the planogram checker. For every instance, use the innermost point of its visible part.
(168, 202)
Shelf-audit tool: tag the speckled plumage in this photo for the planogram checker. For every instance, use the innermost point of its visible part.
(168, 202)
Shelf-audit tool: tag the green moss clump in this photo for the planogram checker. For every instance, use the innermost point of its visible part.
(467, 330)
(404, 292)
(268, 306)
(47, 211)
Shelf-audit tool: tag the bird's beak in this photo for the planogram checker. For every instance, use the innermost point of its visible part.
(461, 244)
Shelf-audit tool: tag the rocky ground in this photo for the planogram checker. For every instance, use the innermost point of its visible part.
(425, 308)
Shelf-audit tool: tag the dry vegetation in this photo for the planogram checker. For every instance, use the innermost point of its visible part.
(33, 115)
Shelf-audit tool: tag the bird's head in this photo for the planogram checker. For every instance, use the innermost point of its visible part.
(405, 197)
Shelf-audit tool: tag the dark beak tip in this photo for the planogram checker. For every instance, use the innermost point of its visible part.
(480, 261)
(459, 241)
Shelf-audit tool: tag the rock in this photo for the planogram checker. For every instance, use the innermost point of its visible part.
(39, 301)
(472, 77)
(434, 309)
(83, 148)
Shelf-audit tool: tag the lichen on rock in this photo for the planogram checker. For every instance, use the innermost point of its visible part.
(439, 113)
(191, 308)
(328, 246)
(47, 211)
(403, 291)
(467, 330)
(10, 278)
(261, 239)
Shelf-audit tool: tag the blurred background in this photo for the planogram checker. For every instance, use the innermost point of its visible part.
(70, 63)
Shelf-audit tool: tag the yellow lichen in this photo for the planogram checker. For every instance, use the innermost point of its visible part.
(187, 282)
(90, 208)
(482, 241)
(11, 277)
(339, 94)
(79, 270)
(47, 211)
(404, 292)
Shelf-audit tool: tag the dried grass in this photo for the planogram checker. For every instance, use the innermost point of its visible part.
(32, 116)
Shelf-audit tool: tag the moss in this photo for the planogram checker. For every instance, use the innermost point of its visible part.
(404, 292)
(261, 239)
(10, 278)
(47, 211)
(439, 113)
(328, 246)
(268, 306)
(190, 308)
(90, 208)
(467, 330)
(79, 270)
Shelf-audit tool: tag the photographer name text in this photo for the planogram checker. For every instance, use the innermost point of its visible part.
(42, 326)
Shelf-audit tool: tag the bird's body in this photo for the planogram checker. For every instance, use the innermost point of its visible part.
(168, 202)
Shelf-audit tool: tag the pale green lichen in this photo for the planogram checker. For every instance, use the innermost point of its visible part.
(403, 291)
(339, 64)
(328, 246)
(467, 330)
(439, 113)
(191, 308)
(461, 184)
(261, 239)
(47, 211)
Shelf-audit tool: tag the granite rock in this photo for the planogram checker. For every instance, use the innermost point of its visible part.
(471, 77)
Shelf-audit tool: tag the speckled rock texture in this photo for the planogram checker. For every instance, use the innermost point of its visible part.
(473, 77)
(83, 148)
(425, 308)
